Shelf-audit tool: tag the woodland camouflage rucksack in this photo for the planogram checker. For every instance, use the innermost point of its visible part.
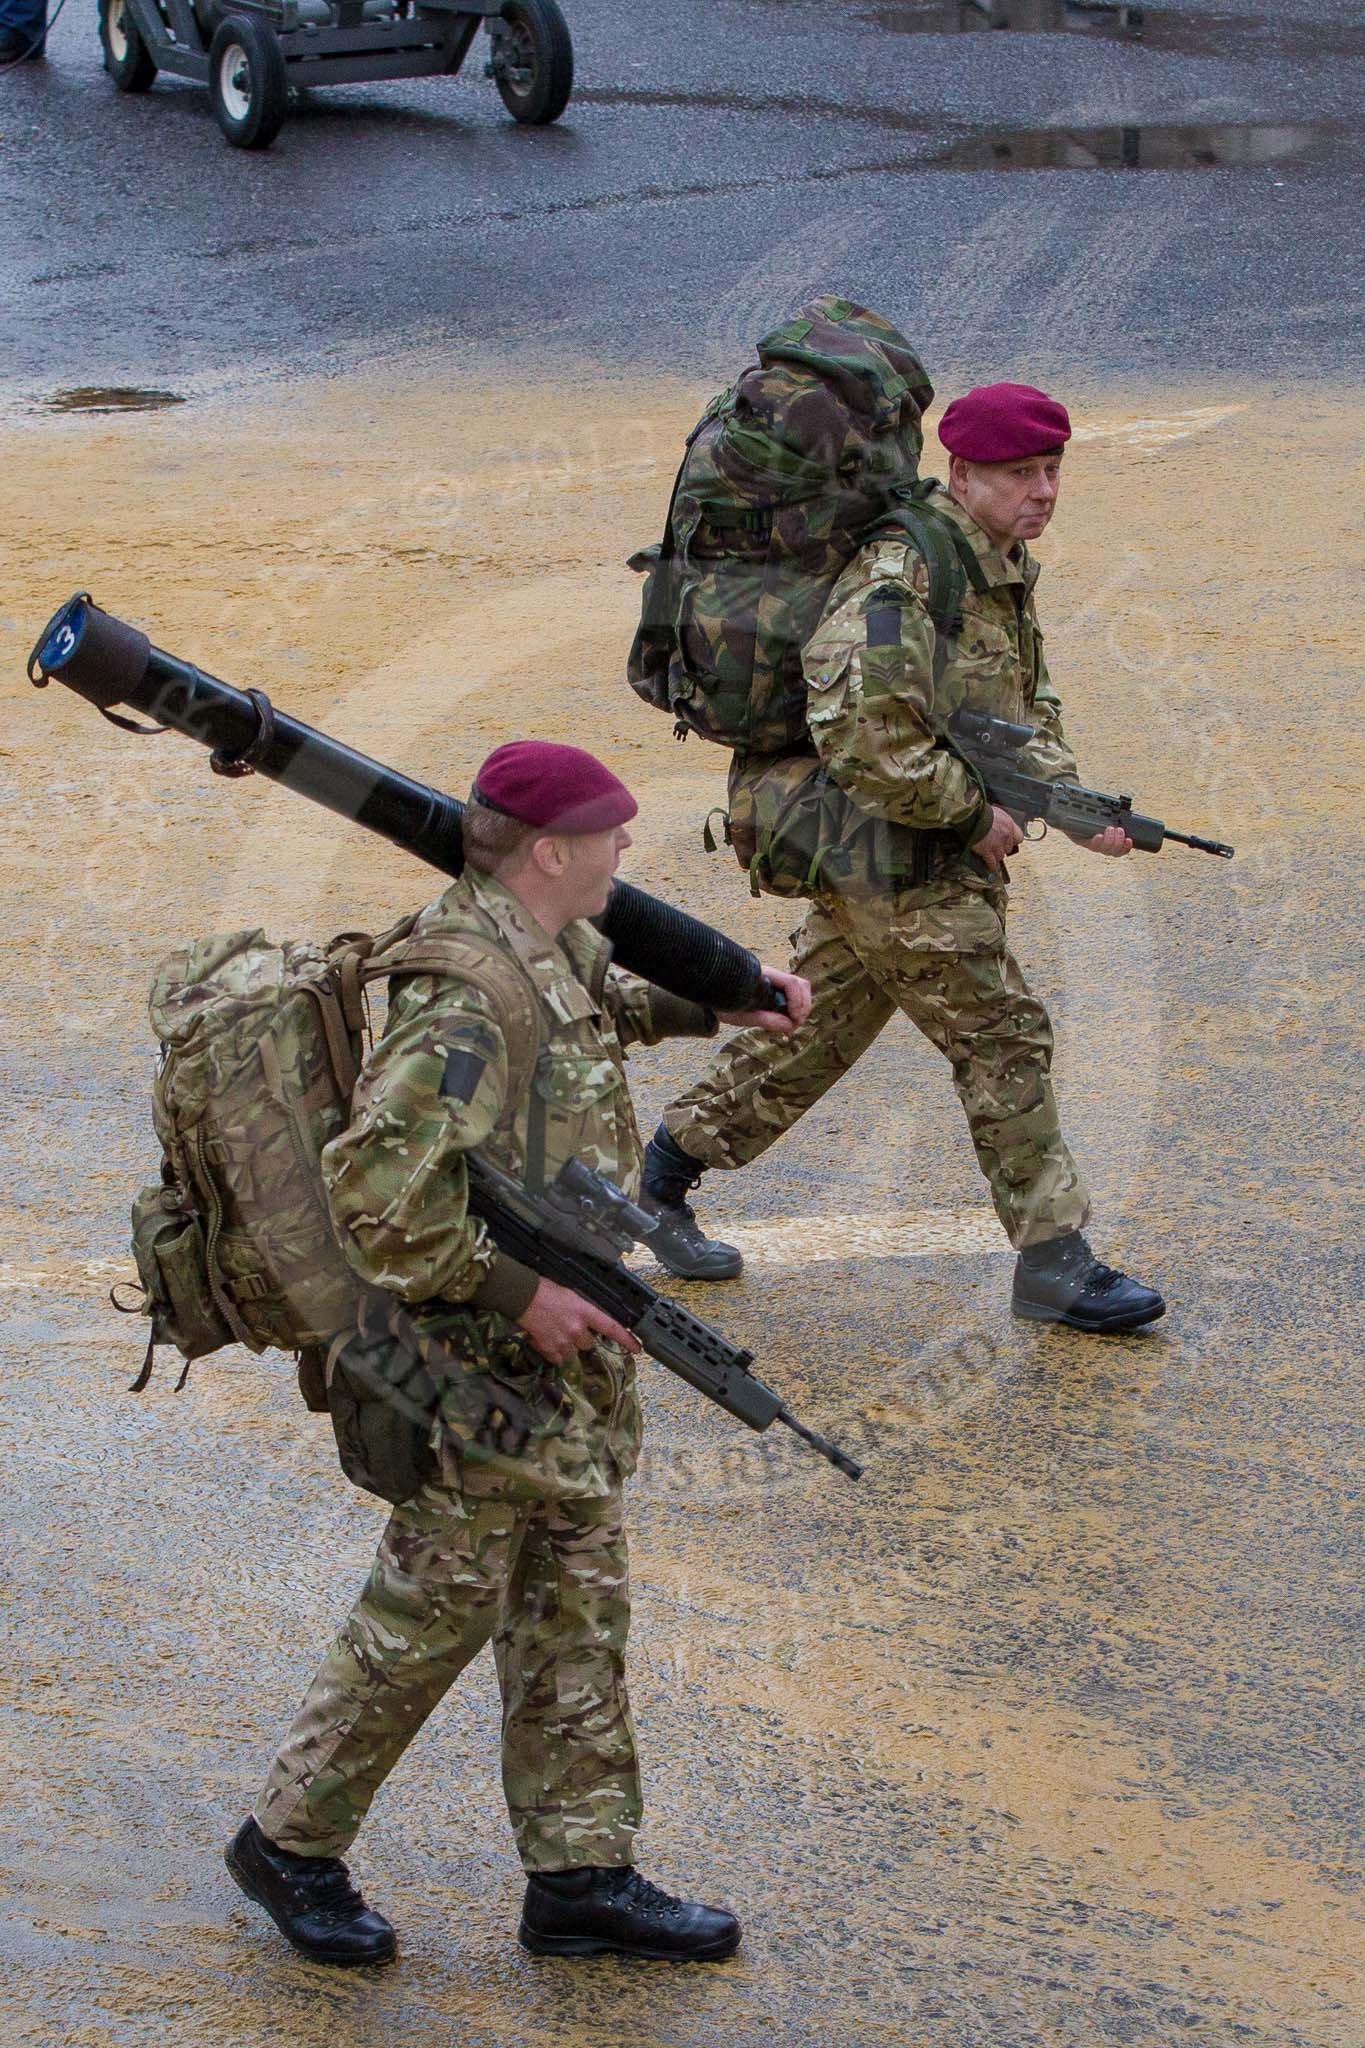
(260, 1052)
(784, 474)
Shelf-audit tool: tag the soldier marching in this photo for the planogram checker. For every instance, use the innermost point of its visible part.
(516, 1537)
(910, 912)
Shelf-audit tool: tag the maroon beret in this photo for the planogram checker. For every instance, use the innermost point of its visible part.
(561, 788)
(1002, 423)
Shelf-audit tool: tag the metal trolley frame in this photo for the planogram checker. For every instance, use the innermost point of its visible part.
(250, 52)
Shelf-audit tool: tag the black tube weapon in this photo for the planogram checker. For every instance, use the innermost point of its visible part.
(109, 662)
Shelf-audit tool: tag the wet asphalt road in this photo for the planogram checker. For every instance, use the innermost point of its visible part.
(1047, 1737)
(720, 159)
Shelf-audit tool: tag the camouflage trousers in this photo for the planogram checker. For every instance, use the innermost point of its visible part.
(547, 1582)
(939, 955)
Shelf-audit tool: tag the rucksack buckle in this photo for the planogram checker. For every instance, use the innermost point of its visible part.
(708, 837)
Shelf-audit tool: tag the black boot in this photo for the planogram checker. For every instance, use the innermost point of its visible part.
(682, 1247)
(310, 1899)
(1063, 1282)
(596, 1911)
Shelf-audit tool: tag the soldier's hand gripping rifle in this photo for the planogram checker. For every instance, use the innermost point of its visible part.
(574, 1233)
(109, 663)
(990, 745)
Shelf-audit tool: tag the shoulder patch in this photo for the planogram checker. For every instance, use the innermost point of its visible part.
(883, 617)
(464, 1070)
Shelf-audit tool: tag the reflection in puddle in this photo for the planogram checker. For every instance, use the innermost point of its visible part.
(950, 146)
(1029, 17)
(111, 398)
(1126, 149)
(1156, 28)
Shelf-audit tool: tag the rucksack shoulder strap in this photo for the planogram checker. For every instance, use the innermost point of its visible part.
(946, 553)
(487, 964)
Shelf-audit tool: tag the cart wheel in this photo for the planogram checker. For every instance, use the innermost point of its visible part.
(246, 81)
(532, 64)
(126, 57)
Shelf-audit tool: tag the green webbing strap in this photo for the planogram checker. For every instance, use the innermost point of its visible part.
(948, 573)
(948, 556)
(535, 1128)
(708, 837)
(951, 561)
(713, 411)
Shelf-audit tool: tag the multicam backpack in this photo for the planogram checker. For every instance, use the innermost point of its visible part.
(784, 474)
(260, 1052)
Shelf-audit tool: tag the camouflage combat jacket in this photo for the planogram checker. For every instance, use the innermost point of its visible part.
(878, 701)
(466, 1062)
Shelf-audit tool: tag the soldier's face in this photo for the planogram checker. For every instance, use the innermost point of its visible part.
(590, 861)
(1012, 500)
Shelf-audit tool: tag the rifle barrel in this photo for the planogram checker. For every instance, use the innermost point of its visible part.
(1204, 845)
(821, 1444)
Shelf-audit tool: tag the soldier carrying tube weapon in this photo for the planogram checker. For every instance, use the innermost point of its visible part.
(488, 1267)
(501, 1062)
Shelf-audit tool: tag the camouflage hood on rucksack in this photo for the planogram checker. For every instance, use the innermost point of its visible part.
(784, 473)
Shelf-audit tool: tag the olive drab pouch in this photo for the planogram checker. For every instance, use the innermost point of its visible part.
(785, 818)
(383, 1403)
(782, 476)
(397, 1389)
(797, 832)
(172, 1268)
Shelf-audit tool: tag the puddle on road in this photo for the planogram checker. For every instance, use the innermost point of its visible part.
(1156, 147)
(1154, 28)
(1227, 146)
(110, 398)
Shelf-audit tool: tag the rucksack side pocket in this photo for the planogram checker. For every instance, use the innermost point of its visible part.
(784, 820)
(172, 1268)
(656, 638)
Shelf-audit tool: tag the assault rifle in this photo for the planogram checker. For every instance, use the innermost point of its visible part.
(990, 744)
(574, 1233)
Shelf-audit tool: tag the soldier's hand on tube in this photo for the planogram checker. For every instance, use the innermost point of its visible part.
(1113, 840)
(560, 1322)
(1000, 840)
(797, 992)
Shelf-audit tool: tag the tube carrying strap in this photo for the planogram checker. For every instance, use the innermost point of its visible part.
(242, 760)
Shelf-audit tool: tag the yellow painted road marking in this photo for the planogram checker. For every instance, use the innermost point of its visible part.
(823, 1240)
(1159, 430)
(65, 1271)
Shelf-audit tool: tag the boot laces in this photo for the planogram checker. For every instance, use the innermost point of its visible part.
(638, 1891)
(667, 1182)
(671, 1205)
(330, 1888)
(1101, 1278)
(1095, 1276)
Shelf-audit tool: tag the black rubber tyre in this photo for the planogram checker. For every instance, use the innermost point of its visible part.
(533, 61)
(126, 57)
(247, 84)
